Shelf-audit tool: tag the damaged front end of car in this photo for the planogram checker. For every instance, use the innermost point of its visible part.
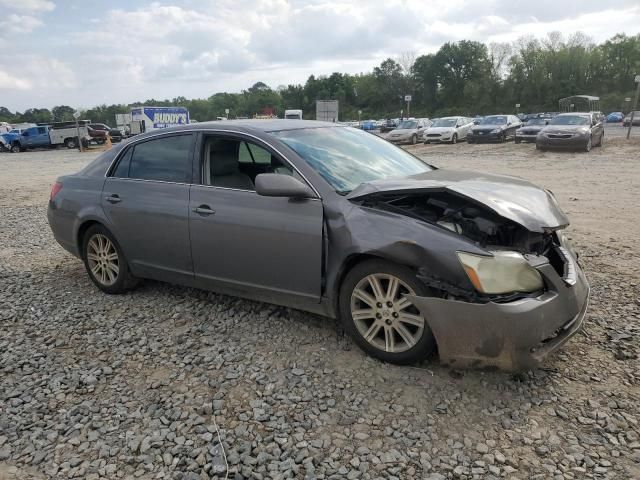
(516, 293)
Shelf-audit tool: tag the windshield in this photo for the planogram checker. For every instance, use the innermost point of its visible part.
(536, 121)
(408, 124)
(15, 130)
(346, 157)
(494, 120)
(570, 120)
(445, 122)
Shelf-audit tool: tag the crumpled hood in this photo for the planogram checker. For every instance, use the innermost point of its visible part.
(510, 197)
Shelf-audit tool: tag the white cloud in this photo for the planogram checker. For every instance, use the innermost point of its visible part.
(14, 24)
(35, 71)
(35, 6)
(13, 83)
(198, 47)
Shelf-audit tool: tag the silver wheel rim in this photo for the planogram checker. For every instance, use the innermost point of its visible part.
(103, 261)
(589, 144)
(382, 314)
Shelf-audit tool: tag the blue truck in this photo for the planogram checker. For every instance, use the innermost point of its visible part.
(44, 136)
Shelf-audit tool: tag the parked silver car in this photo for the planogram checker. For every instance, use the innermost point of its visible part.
(336, 221)
(409, 131)
(448, 129)
(580, 131)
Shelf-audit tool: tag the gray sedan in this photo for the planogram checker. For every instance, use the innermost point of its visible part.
(332, 220)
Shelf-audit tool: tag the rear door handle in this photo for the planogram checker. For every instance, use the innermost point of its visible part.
(115, 198)
(204, 210)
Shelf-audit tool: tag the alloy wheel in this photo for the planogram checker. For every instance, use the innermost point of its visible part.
(382, 314)
(103, 260)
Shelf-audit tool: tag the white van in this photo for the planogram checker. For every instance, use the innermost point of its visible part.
(293, 114)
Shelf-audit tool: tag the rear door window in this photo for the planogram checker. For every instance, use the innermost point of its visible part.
(166, 159)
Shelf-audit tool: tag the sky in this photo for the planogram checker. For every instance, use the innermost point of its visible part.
(81, 53)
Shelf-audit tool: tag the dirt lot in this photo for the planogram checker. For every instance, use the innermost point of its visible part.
(146, 385)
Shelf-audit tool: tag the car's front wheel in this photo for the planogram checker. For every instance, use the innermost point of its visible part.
(589, 144)
(379, 317)
(105, 262)
(414, 139)
(454, 139)
(16, 148)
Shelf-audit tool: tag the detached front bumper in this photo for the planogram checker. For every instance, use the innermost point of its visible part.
(526, 137)
(516, 335)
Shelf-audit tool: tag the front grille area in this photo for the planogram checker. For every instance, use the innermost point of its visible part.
(560, 135)
(433, 135)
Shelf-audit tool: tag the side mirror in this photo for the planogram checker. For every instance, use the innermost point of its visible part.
(276, 185)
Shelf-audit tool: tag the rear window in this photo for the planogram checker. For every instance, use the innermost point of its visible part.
(165, 159)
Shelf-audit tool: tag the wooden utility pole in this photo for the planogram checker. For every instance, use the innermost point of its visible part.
(635, 105)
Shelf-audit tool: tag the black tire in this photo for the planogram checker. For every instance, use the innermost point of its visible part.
(123, 280)
(469, 140)
(424, 345)
(71, 143)
(517, 140)
(414, 139)
(538, 147)
(454, 139)
(16, 148)
(601, 140)
(503, 138)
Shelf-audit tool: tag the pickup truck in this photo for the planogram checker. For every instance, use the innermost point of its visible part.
(43, 136)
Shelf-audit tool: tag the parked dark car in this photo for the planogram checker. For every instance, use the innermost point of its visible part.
(494, 128)
(388, 125)
(577, 131)
(116, 134)
(336, 221)
(529, 131)
(98, 136)
(636, 119)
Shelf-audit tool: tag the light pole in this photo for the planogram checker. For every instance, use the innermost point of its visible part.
(635, 105)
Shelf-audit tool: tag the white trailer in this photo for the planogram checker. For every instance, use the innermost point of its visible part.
(293, 114)
(327, 110)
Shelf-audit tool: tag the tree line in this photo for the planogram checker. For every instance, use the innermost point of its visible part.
(465, 77)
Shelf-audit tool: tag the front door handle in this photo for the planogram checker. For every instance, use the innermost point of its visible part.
(204, 210)
(115, 198)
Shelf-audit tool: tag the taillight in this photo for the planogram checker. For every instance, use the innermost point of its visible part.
(55, 188)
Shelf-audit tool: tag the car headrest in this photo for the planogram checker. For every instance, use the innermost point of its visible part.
(223, 157)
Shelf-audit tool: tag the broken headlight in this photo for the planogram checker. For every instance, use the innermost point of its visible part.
(504, 272)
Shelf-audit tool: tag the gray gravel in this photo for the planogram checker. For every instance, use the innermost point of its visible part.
(135, 386)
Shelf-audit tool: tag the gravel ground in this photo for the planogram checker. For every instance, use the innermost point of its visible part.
(172, 382)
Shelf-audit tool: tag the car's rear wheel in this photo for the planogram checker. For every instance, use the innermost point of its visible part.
(378, 316)
(105, 262)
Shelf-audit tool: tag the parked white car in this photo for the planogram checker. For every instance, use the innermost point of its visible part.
(409, 130)
(448, 129)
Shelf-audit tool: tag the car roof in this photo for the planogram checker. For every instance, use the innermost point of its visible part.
(252, 125)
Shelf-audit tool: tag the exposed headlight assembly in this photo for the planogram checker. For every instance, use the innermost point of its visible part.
(504, 272)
